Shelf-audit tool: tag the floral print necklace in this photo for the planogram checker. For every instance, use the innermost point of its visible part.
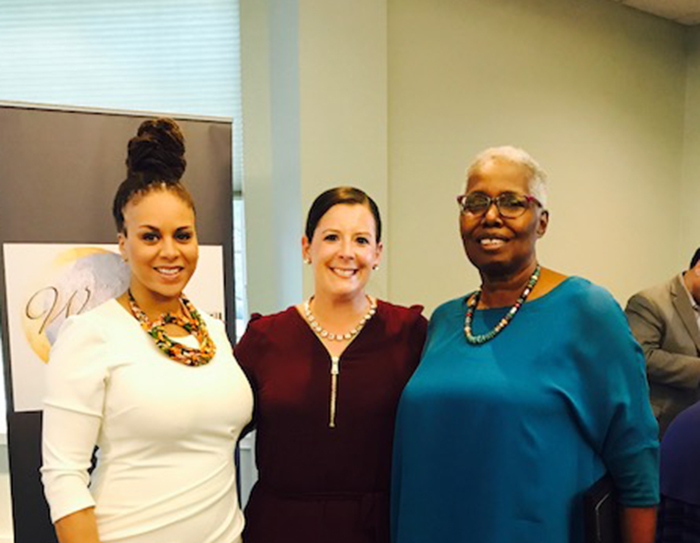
(192, 323)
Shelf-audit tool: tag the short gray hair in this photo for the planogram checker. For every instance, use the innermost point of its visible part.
(537, 180)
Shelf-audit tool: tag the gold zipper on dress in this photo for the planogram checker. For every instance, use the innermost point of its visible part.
(335, 371)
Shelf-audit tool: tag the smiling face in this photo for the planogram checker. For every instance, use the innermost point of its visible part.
(494, 244)
(343, 251)
(160, 245)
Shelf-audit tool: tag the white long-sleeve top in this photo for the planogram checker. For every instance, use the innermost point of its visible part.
(166, 433)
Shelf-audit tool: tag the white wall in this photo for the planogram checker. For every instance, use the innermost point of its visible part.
(594, 90)
(343, 93)
(690, 190)
(396, 97)
(315, 117)
(272, 191)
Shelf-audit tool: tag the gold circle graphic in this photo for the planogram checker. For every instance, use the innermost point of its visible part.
(75, 281)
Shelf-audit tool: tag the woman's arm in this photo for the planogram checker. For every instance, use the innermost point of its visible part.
(72, 418)
(638, 524)
(78, 527)
(620, 415)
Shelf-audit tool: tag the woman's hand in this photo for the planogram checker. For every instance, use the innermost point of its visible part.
(638, 524)
(78, 527)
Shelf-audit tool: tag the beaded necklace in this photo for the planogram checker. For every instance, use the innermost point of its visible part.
(325, 334)
(335, 360)
(192, 323)
(483, 338)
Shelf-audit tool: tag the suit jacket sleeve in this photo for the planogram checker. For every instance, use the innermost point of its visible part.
(649, 328)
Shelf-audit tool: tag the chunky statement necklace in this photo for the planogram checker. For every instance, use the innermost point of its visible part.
(325, 334)
(191, 323)
(483, 338)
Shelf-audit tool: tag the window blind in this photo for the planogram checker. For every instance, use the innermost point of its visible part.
(175, 56)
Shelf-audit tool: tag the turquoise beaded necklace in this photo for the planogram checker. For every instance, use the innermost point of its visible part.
(483, 338)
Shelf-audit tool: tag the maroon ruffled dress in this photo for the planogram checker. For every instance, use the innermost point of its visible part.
(322, 484)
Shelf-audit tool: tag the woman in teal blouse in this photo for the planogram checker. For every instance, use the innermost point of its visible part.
(528, 391)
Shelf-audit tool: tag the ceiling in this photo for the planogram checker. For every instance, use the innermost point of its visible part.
(686, 12)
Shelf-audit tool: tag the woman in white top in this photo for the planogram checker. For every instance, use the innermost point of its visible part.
(149, 380)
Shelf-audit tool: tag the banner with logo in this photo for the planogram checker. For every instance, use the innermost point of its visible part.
(47, 283)
(59, 170)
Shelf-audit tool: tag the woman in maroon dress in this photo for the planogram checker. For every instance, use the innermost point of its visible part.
(327, 375)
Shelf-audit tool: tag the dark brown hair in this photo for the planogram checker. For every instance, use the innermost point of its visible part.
(155, 161)
(340, 195)
(695, 259)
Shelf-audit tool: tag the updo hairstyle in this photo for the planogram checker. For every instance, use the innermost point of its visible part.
(155, 161)
(340, 195)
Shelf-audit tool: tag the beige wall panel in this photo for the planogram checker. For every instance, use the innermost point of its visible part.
(593, 90)
(690, 211)
(343, 103)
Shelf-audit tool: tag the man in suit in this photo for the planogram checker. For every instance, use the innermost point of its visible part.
(665, 319)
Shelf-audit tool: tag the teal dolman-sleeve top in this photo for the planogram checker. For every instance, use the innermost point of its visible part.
(496, 443)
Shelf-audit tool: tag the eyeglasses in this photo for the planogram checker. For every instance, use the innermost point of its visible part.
(509, 204)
